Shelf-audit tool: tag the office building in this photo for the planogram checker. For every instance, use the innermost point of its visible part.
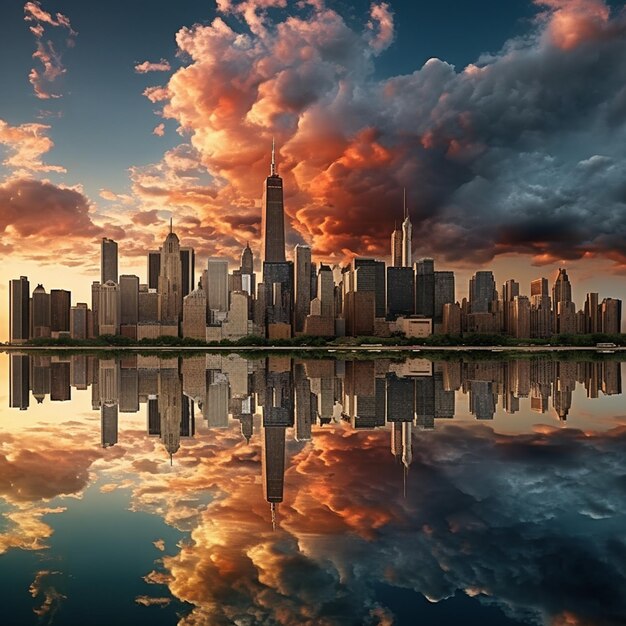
(273, 217)
(129, 299)
(302, 287)
(482, 292)
(400, 291)
(40, 313)
(108, 260)
(170, 280)
(60, 305)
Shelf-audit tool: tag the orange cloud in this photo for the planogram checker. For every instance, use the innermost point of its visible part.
(27, 143)
(46, 50)
(572, 22)
(147, 66)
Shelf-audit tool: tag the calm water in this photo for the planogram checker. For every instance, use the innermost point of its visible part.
(220, 490)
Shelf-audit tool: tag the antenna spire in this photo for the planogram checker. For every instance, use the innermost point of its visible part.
(273, 166)
(171, 226)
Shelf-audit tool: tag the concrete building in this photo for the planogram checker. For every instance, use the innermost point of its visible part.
(129, 299)
(60, 304)
(425, 287)
(482, 291)
(108, 260)
(611, 316)
(302, 286)
(195, 314)
(40, 318)
(109, 308)
(79, 321)
(19, 310)
(170, 281)
(273, 217)
(400, 291)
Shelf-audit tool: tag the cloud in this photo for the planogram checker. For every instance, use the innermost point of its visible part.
(489, 153)
(27, 143)
(159, 130)
(47, 51)
(160, 66)
(26, 204)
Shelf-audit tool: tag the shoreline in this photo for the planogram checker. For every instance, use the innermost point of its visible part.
(331, 349)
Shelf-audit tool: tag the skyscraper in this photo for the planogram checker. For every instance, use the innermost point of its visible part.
(41, 312)
(60, 305)
(302, 276)
(562, 290)
(400, 291)
(129, 299)
(248, 281)
(109, 308)
(407, 237)
(216, 286)
(188, 269)
(444, 293)
(170, 280)
(108, 260)
(19, 310)
(396, 247)
(482, 291)
(154, 268)
(425, 287)
(273, 217)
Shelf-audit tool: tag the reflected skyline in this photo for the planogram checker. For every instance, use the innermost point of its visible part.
(316, 491)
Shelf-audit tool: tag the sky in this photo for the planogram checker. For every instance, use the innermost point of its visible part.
(505, 121)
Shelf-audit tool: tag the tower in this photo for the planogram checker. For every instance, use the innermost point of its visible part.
(273, 217)
(170, 280)
(108, 260)
(407, 236)
(19, 310)
(302, 274)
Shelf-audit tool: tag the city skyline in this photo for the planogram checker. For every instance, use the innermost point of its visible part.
(339, 169)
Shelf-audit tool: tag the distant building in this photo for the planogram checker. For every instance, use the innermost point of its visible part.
(19, 310)
(425, 287)
(40, 312)
(302, 287)
(60, 304)
(611, 316)
(170, 280)
(129, 299)
(109, 308)
(79, 321)
(195, 314)
(273, 217)
(482, 291)
(108, 260)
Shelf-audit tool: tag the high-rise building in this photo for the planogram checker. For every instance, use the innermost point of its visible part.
(170, 280)
(425, 287)
(400, 291)
(593, 321)
(129, 299)
(539, 287)
(154, 268)
(369, 275)
(95, 303)
(78, 321)
(302, 287)
(520, 317)
(195, 314)
(248, 279)
(109, 308)
(273, 217)
(108, 260)
(19, 310)
(60, 305)
(611, 316)
(396, 247)
(562, 290)
(40, 313)
(216, 286)
(188, 269)
(444, 293)
(482, 291)
(407, 237)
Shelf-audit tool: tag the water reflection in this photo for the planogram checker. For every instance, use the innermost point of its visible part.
(330, 491)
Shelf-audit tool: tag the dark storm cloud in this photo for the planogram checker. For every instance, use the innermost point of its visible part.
(521, 151)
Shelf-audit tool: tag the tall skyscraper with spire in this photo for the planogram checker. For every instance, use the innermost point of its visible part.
(273, 217)
(170, 279)
(407, 237)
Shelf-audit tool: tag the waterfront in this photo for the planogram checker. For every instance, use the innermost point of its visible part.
(216, 489)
